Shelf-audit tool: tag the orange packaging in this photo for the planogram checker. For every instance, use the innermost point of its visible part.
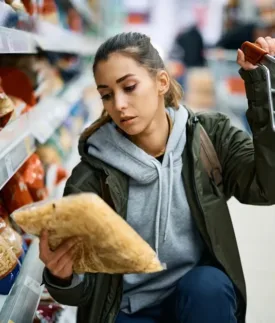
(4, 214)
(6, 108)
(15, 193)
(61, 174)
(33, 175)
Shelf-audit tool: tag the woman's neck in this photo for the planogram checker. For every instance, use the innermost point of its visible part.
(154, 138)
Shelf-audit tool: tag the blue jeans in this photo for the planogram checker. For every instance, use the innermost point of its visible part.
(204, 295)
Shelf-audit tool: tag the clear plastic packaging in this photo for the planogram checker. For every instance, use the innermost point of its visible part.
(10, 249)
(11, 255)
(108, 244)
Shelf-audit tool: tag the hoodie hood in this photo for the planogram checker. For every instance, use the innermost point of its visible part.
(113, 148)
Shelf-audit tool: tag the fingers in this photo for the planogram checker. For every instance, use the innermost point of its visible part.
(63, 249)
(63, 267)
(240, 57)
(271, 44)
(241, 60)
(263, 43)
(267, 43)
(44, 249)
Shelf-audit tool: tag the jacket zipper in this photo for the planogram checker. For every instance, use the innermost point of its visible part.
(194, 122)
(110, 309)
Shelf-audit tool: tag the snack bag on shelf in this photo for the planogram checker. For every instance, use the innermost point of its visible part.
(20, 107)
(15, 193)
(74, 20)
(48, 155)
(108, 244)
(11, 255)
(23, 89)
(4, 214)
(6, 109)
(49, 78)
(48, 312)
(34, 176)
(16, 5)
(55, 175)
(48, 12)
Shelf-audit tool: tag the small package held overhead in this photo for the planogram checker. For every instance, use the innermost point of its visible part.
(109, 244)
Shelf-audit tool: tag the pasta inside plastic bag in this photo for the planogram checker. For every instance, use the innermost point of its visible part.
(109, 244)
(10, 249)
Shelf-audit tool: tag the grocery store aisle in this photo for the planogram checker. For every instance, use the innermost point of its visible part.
(254, 227)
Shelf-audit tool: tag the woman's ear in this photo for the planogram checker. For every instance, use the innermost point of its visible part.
(163, 81)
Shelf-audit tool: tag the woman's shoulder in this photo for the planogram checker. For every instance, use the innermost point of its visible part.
(214, 122)
(84, 178)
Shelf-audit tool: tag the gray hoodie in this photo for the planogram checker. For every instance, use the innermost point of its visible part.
(157, 208)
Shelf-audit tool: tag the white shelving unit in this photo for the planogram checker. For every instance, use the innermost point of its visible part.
(36, 126)
(21, 303)
(45, 36)
(17, 140)
(20, 138)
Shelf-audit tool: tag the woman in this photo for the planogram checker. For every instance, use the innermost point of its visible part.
(142, 157)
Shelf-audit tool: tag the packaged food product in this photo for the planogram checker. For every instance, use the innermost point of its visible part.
(48, 312)
(49, 12)
(33, 175)
(10, 253)
(9, 268)
(16, 5)
(108, 244)
(8, 259)
(23, 88)
(48, 155)
(15, 193)
(14, 240)
(6, 108)
(4, 214)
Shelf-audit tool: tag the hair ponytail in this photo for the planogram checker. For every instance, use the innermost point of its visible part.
(174, 95)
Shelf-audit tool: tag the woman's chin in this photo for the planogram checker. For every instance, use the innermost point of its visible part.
(133, 130)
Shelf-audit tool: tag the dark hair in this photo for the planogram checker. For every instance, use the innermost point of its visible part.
(139, 47)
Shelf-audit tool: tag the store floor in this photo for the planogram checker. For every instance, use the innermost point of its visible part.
(255, 231)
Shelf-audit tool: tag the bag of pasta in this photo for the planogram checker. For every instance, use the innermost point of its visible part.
(109, 244)
(10, 256)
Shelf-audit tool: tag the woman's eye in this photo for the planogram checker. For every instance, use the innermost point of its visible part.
(130, 88)
(106, 97)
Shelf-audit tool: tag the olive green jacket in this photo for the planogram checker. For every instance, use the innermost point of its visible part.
(248, 174)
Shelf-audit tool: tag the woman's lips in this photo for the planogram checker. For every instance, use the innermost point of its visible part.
(127, 121)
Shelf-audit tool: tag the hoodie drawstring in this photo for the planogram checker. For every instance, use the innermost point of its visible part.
(157, 225)
(171, 180)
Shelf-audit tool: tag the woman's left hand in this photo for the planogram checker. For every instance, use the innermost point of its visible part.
(267, 43)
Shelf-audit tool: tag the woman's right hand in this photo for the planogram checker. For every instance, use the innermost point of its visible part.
(60, 261)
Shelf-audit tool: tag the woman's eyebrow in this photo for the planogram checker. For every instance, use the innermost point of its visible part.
(121, 79)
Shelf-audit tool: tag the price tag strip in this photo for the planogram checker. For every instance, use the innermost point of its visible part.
(16, 41)
(15, 158)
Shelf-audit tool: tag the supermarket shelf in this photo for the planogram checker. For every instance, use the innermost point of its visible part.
(21, 303)
(14, 149)
(48, 37)
(14, 41)
(17, 140)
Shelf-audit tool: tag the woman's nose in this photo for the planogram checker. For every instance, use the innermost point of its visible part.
(120, 102)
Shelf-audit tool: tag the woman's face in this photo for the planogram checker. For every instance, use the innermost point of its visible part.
(130, 95)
